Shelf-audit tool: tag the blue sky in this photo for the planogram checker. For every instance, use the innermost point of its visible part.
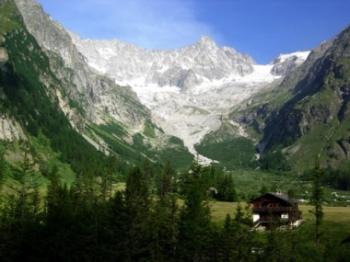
(260, 28)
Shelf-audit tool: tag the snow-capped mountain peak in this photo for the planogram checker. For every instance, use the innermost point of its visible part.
(285, 63)
(183, 68)
(299, 55)
(206, 42)
(188, 90)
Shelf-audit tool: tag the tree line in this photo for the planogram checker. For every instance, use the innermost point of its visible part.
(157, 217)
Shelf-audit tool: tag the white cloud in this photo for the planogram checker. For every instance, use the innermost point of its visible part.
(147, 23)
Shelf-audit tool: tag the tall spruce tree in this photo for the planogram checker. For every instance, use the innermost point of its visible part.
(317, 200)
(227, 246)
(117, 227)
(166, 185)
(226, 188)
(107, 177)
(3, 165)
(164, 219)
(137, 202)
(194, 224)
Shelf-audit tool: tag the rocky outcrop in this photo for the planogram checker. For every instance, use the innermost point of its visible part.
(318, 108)
(3, 56)
(82, 84)
(285, 64)
(10, 130)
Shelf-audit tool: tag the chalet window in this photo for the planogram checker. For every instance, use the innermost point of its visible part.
(284, 216)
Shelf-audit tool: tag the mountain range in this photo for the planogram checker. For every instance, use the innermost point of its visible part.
(72, 100)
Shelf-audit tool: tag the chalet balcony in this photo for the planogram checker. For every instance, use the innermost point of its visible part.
(273, 209)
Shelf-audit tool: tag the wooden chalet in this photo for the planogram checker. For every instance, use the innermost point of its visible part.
(275, 210)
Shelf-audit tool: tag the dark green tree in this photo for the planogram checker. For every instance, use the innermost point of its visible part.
(291, 193)
(137, 200)
(3, 165)
(227, 242)
(107, 177)
(263, 190)
(194, 223)
(116, 229)
(226, 188)
(165, 218)
(166, 183)
(317, 200)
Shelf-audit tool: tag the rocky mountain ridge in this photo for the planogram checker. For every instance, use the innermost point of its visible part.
(108, 116)
(89, 88)
(188, 90)
(315, 119)
(209, 99)
(182, 68)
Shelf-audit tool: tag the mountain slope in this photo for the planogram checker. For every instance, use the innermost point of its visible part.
(94, 104)
(158, 105)
(315, 120)
(188, 90)
(43, 108)
(30, 105)
(242, 127)
(184, 93)
(88, 88)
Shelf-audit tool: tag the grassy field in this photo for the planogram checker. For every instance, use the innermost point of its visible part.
(337, 215)
(335, 226)
(248, 182)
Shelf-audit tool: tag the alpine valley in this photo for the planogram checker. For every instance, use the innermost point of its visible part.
(72, 100)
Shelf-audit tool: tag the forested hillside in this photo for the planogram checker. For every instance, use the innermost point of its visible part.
(33, 105)
(153, 220)
(314, 121)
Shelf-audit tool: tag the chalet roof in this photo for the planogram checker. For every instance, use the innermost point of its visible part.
(285, 198)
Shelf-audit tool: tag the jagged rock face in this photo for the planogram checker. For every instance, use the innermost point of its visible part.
(188, 90)
(183, 68)
(291, 80)
(108, 116)
(39, 25)
(284, 64)
(194, 86)
(10, 130)
(97, 94)
(53, 37)
(317, 114)
(3, 56)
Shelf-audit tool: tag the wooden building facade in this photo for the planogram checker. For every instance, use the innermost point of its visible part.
(275, 210)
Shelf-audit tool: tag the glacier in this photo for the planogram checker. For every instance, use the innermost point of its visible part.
(190, 90)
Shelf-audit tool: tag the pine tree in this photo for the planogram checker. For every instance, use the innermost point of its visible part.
(316, 200)
(194, 224)
(244, 235)
(137, 202)
(3, 165)
(271, 248)
(226, 189)
(263, 190)
(166, 184)
(107, 177)
(24, 209)
(164, 219)
(117, 228)
(227, 241)
(163, 227)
